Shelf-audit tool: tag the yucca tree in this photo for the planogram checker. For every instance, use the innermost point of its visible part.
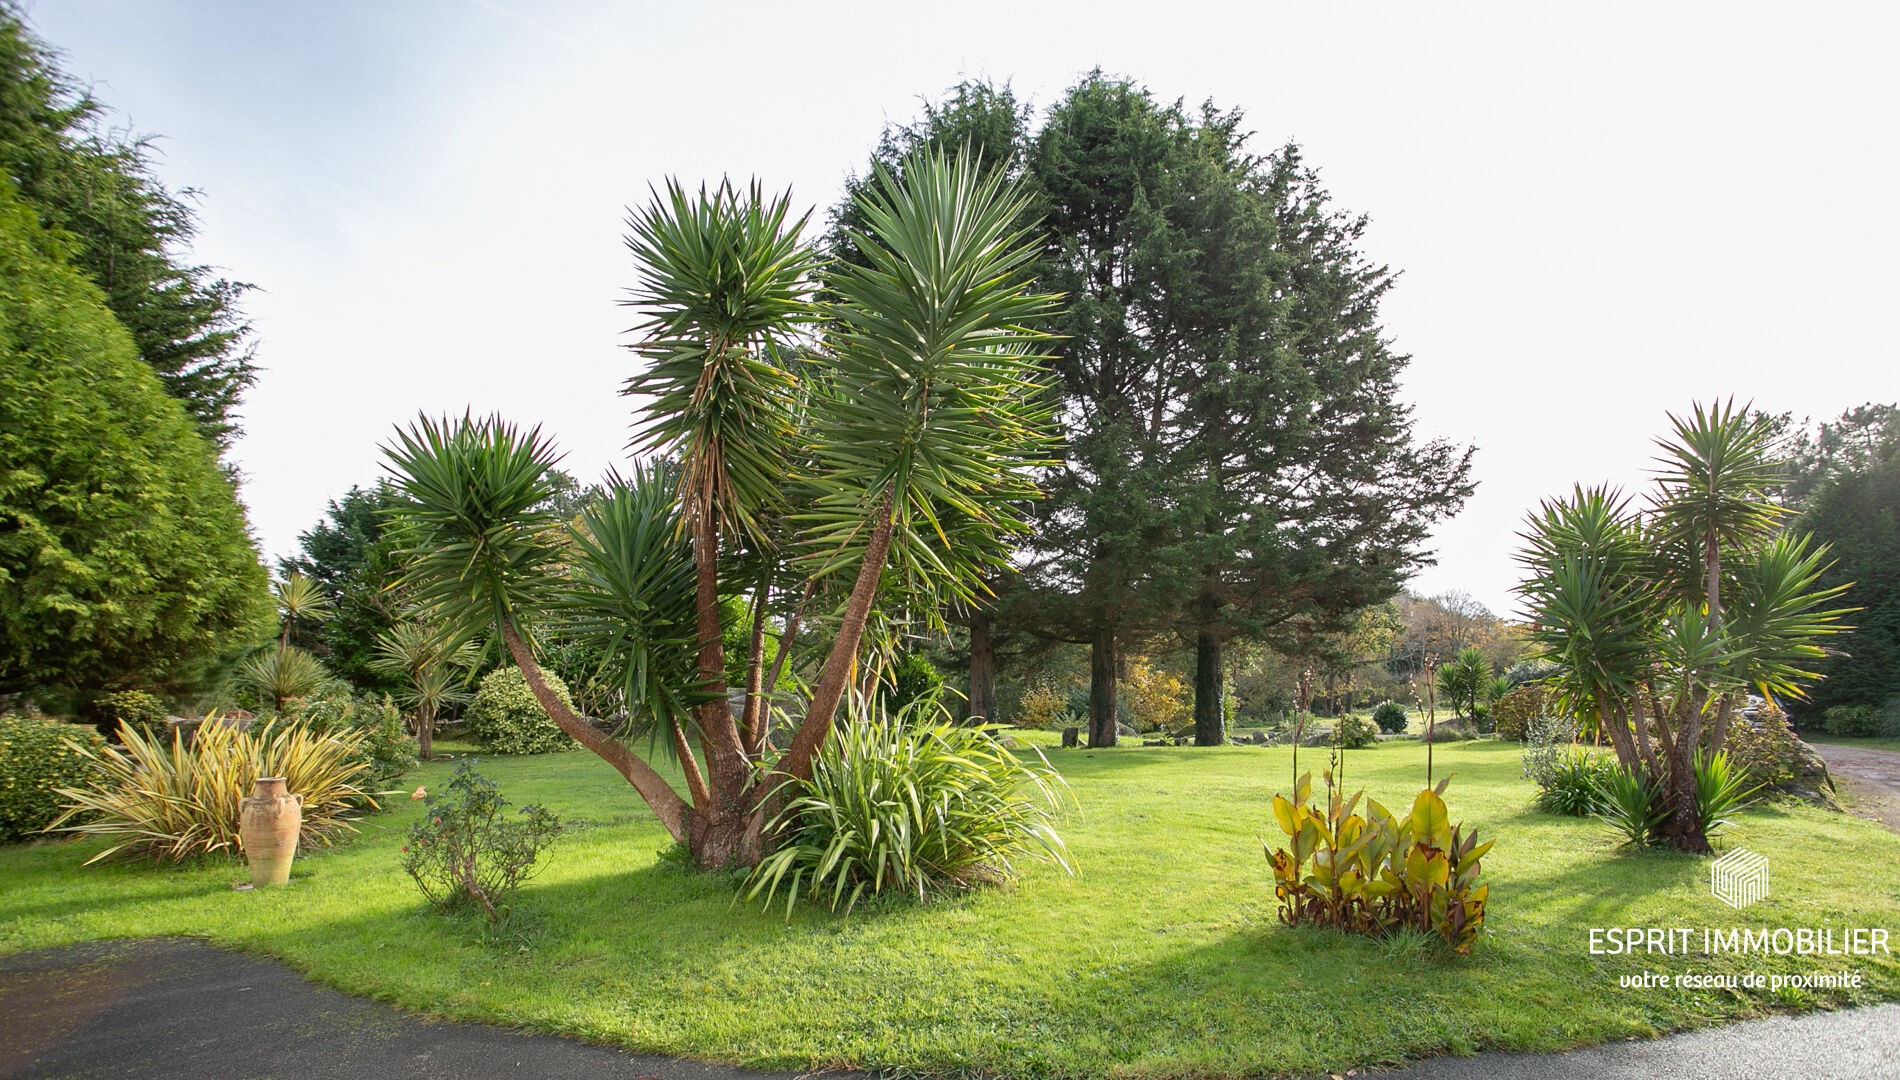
(828, 459)
(281, 674)
(298, 597)
(1465, 681)
(433, 666)
(1662, 621)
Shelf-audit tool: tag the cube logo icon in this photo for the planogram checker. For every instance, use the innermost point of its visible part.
(1739, 878)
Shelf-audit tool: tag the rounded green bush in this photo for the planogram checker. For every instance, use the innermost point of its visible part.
(35, 761)
(506, 719)
(131, 708)
(1391, 717)
(1356, 732)
(1852, 721)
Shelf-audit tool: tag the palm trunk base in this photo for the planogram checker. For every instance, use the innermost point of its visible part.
(729, 842)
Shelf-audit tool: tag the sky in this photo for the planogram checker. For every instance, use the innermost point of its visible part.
(1601, 212)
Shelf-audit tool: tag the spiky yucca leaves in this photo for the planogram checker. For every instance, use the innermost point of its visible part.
(912, 805)
(935, 403)
(479, 548)
(482, 553)
(634, 604)
(1776, 616)
(724, 283)
(281, 673)
(1661, 621)
(434, 669)
(1715, 476)
(165, 800)
(935, 410)
(298, 597)
(1633, 804)
(1721, 790)
(913, 428)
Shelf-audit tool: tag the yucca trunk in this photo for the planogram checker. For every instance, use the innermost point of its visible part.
(844, 652)
(1684, 827)
(425, 731)
(666, 803)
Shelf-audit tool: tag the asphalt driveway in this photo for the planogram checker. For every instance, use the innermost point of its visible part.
(184, 1008)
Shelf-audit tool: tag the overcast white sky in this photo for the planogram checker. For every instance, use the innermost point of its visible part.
(1601, 211)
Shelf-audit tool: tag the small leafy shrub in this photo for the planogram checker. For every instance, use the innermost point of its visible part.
(166, 801)
(1547, 741)
(1391, 717)
(1043, 707)
(1762, 745)
(1633, 805)
(505, 718)
(1889, 716)
(1721, 789)
(1513, 711)
(913, 679)
(1376, 873)
(466, 852)
(1574, 779)
(386, 743)
(1852, 721)
(130, 708)
(903, 806)
(1354, 732)
(1156, 697)
(38, 757)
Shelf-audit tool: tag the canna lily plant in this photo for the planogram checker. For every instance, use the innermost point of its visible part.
(824, 461)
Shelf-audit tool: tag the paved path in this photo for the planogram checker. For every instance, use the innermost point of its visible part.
(1873, 776)
(183, 1008)
(177, 1008)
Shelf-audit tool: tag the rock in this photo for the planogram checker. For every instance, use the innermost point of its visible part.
(1810, 782)
(1452, 731)
(1125, 731)
(1154, 742)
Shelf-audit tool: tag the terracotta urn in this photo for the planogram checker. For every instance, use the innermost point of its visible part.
(268, 825)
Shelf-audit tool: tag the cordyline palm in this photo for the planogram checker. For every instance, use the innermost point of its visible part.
(917, 409)
(432, 665)
(298, 597)
(1661, 623)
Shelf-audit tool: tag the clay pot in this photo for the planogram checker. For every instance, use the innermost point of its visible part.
(271, 819)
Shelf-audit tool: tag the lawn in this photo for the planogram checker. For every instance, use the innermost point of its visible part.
(1870, 743)
(1162, 959)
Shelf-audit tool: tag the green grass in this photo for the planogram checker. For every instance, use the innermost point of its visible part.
(1162, 959)
(1871, 743)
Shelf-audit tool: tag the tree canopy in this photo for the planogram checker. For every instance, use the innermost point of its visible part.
(125, 559)
(1845, 483)
(129, 232)
(1236, 464)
